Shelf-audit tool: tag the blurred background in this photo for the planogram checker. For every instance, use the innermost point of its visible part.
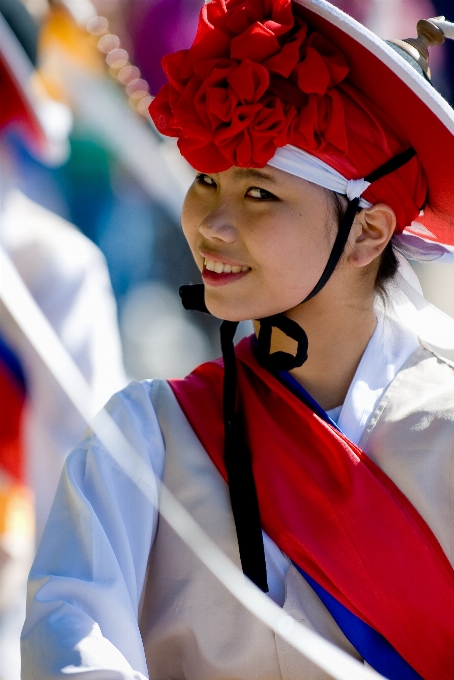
(90, 198)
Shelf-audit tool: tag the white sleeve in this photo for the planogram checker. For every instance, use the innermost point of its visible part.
(87, 579)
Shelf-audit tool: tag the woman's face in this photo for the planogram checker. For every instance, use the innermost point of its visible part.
(261, 239)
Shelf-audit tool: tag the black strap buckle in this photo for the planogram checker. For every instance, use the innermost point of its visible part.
(281, 361)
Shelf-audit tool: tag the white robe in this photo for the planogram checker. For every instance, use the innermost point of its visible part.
(89, 585)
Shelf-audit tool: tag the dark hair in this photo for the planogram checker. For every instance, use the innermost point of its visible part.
(389, 264)
(387, 268)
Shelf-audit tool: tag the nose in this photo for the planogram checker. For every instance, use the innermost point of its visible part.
(219, 224)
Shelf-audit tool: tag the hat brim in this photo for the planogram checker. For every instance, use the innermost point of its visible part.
(408, 100)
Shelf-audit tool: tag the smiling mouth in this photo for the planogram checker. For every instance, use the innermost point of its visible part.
(222, 268)
(217, 274)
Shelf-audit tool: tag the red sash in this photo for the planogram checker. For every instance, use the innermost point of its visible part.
(334, 512)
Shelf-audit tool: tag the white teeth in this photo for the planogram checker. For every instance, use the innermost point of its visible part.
(221, 268)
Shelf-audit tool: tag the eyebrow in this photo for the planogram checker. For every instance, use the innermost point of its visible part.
(251, 173)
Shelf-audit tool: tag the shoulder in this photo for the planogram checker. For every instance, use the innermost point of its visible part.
(419, 400)
(132, 413)
(136, 404)
(427, 382)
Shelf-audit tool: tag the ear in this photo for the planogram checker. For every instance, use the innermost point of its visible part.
(371, 233)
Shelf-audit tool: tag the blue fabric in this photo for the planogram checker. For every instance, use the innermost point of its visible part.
(299, 391)
(10, 360)
(368, 642)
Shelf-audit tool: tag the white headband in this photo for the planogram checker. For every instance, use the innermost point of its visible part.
(301, 164)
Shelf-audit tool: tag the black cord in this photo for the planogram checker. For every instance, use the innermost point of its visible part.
(343, 233)
(243, 493)
(391, 166)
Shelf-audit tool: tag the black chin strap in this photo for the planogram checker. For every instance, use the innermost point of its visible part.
(282, 361)
(238, 464)
(243, 493)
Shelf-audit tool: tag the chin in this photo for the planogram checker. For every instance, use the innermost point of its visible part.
(228, 310)
(237, 309)
(227, 314)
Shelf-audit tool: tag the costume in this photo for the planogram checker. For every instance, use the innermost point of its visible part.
(276, 83)
(194, 637)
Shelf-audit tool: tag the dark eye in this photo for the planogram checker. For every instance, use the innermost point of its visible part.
(261, 194)
(201, 178)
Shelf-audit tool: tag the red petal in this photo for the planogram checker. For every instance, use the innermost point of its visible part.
(206, 158)
(249, 81)
(312, 73)
(289, 56)
(161, 113)
(256, 43)
(242, 14)
(214, 44)
(333, 58)
(220, 105)
(172, 64)
(243, 150)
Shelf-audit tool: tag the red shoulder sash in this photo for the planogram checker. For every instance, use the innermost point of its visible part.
(334, 512)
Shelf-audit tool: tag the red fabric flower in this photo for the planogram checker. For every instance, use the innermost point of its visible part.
(254, 80)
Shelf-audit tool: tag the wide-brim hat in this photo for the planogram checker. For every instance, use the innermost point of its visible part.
(409, 100)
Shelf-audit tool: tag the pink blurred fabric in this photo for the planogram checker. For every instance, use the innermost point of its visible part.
(160, 27)
(393, 19)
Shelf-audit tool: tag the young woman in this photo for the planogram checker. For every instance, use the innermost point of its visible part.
(319, 453)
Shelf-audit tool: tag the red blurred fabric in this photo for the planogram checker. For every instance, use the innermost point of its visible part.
(15, 109)
(257, 78)
(334, 512)
(12, 107)
(11, 410)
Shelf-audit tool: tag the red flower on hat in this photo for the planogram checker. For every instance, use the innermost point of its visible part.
(255, 79)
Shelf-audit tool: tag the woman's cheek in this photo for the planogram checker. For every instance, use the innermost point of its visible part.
(189, 222)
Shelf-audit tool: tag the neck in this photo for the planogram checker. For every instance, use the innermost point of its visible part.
(339, 327)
